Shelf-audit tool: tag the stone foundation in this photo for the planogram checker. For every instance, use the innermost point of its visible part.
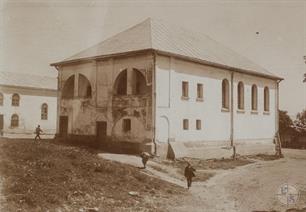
(214, 149)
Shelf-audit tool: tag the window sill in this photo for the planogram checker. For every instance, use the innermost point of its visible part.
(225, 109)
(185, 98)
(200, 100)
(255, 112)
(240, 111)
(266, 112)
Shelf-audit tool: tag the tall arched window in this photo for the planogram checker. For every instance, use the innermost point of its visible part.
(15, 99)
(254, 97)
(266, 99)
(44, 111)
(14, 120)
(225, 94)
(1, 99)
(240, 96)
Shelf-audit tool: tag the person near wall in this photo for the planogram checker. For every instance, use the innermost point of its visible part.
(38, 131)
(145, 157)
(189, 174)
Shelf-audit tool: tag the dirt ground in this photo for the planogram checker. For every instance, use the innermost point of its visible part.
(56, 177)
(249, 187)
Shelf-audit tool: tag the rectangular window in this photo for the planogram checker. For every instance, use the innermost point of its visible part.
(185, 124)
(200, 91)
(185, 89)
(199, 124)
(126, 125)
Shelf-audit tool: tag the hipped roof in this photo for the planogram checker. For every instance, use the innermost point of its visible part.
(172, 40)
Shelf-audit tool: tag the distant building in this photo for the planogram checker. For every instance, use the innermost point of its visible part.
(161, 88)
(26, 101)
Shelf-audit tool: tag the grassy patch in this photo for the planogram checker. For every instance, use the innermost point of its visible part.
(209, 164)
(264, 157)
(48, 176)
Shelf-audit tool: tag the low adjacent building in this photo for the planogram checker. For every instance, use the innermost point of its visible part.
(25, 102)
(164, 89)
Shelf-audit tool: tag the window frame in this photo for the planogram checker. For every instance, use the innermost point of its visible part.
(44, 114)
(16, 102)
(14, 122)
(240, 96)
(266, 99)
(200, 91)
(185, 124)
(198, 124)
(254, 98)
(126, 125)
(225, 95)
(185, 90)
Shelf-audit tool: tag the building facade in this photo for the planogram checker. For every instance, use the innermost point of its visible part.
(160, 88)
(25, 102)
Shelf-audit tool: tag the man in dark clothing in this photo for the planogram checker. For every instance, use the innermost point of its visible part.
(189, 174)
(37, 132)
(145, 157)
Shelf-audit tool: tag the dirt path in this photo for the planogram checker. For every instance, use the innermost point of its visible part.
(251, 187)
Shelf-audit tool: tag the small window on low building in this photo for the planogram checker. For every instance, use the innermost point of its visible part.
(185, 124)
(126, 125)
(199, 124)
(254, 97)
(15, 99)
(200, 91)
(185, 89)
(44, 112)
(14, 120)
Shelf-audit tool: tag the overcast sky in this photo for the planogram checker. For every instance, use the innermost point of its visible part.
(34, 34)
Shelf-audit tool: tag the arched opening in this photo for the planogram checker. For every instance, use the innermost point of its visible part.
(120, 87)
(44, 111)
(266, 99)
(254, 97)
(139, 83)
(240, 96)
(84, 87)
(68, 90)
(225, 94)
(15, 99)
(14, 120)
(1, 99)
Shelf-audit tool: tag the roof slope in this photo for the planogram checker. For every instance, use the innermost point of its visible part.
(157, 35)
(27, 80)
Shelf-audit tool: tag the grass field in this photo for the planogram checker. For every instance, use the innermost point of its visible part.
(48, 176)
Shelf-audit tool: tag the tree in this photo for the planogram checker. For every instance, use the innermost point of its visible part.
(285, 122)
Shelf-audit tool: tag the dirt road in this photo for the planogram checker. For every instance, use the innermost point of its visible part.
(252, 187)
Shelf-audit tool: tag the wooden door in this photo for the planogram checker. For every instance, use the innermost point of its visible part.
(63, 125)
(101, 130)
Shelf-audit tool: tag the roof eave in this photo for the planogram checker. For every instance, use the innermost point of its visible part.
(218, 65)
(204, 62)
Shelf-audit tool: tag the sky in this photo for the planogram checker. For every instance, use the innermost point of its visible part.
(35, 33)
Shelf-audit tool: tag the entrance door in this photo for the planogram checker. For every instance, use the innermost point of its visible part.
(101, 131)
(63, 125)
(1, 124)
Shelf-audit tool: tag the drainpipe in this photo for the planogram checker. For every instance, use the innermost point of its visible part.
(232, 109)
(154, 103)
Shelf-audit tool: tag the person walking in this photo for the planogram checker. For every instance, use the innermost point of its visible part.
(189, 174)
(145, 157)
(37, 132)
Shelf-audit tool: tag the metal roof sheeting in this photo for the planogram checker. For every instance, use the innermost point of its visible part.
(164, 37)
(27, 80)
